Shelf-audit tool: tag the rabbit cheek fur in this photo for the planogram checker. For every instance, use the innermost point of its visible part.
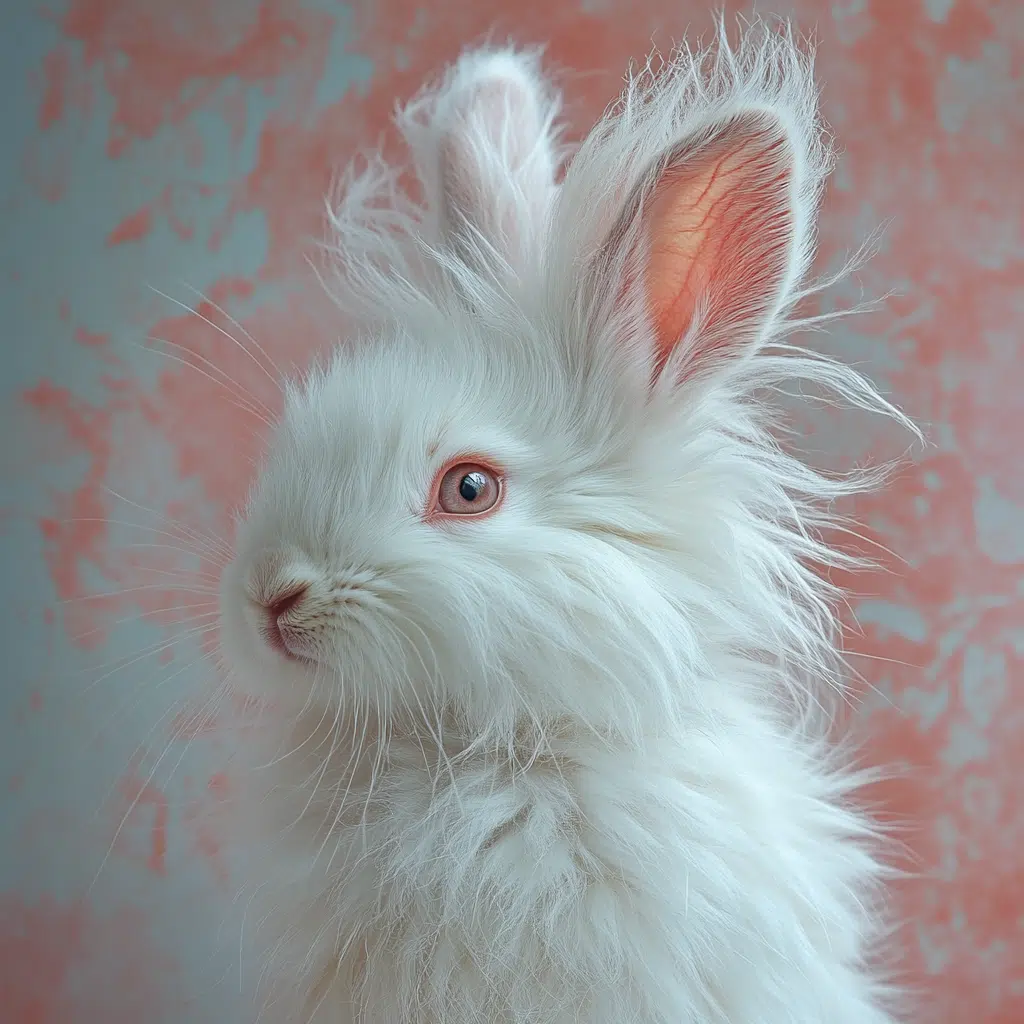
(565, 762)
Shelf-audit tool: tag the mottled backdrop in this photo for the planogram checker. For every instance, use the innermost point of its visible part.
(153, 150)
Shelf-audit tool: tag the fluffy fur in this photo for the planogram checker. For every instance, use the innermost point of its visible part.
(567, 763)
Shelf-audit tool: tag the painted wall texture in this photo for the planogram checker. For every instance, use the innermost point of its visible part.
(161, 158)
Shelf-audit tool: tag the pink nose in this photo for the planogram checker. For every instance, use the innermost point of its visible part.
(284, 603)
(276, 608)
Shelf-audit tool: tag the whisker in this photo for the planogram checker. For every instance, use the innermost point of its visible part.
(348, 776)
(159, 546)
(358, 749)
(186, 355)
(147, 612)
(297, 749)
(224, 313)
(127, 706)
(886, 661)
(180, 574)
(150, 652)
(199, 535)
(188, 743)
(111, 594)
(323, 768)
(237, 399)
(220, 330)
(127, 814)
(209, 552)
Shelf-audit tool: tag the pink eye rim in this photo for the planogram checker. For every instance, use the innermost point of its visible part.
(450, 501)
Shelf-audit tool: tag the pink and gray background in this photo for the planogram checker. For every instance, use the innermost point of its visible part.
(155, 150)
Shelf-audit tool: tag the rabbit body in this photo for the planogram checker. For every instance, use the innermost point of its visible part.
(548, 665)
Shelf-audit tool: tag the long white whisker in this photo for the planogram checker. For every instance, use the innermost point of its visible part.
(228, 384)
(200, 536)
(217, 373)
(149, 652)
(205, 549)
(127, 707)
(127, 814)
(160, 546)
(220, 330)
(224, 313)
(146, 613)
(110, 595)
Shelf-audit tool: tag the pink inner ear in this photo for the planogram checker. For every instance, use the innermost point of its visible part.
(719, 231)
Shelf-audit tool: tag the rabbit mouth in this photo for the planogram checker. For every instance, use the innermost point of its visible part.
(276, 639)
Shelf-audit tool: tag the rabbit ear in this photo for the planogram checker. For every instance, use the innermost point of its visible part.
(714, 250)
(705, 242)
(485, 144)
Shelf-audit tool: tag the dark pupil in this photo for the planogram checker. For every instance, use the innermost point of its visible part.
(471, 486)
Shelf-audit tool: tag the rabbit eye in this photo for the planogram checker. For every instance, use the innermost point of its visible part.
(468, 489)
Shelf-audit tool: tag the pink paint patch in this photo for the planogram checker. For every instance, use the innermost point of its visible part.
(231, 388)
(144, 809)
(78, 530)
(133, 228)
(165, 66)
(90, 339)
(61, 964)
(57, 71)
(218, 785)
(202, 820)
(147, 572)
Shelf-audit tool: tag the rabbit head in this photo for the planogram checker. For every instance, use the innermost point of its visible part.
(539, 481)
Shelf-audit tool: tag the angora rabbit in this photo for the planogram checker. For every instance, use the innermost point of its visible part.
(530, 589)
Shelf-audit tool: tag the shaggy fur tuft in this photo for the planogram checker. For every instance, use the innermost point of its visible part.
(568, 762)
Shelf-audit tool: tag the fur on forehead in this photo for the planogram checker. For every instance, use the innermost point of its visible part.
(447, 369)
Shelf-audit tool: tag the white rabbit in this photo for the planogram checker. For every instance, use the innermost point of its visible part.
(530, 589)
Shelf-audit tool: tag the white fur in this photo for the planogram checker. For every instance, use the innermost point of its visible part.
(567, 763)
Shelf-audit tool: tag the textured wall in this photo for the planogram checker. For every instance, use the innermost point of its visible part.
(155, 145)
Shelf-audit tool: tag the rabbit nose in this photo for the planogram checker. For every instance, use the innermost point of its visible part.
(277, 606)
(282, 603)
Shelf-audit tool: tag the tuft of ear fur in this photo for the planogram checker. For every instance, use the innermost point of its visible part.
(485, 144)
(691, 204)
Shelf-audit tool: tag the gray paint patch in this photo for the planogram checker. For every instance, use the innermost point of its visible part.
(925, 706)
(344, 68)
(966, 743)
(938, 10)
(894, 618)
(948, 836)
(983, 685)
(848, 9)
(936, 958)
(973, 89)
(983, 799)
(998, 525)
